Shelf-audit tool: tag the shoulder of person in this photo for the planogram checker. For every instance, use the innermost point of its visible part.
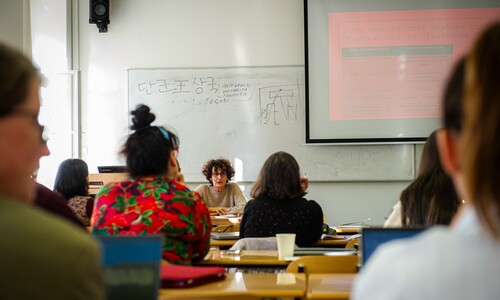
(202, 187)
(51, 228)
(234, 186)
(250, 203)
(309, 202)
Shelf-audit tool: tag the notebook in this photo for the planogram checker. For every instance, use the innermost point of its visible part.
(131, 266)
(372, 237)
(180, 276)
(225, 235)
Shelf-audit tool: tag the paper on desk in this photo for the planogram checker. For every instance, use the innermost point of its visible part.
(225, 216)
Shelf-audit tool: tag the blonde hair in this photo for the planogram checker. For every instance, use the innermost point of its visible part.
(480, 154)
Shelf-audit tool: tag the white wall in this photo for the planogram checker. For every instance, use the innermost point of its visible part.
(199, 33)
(12, 23)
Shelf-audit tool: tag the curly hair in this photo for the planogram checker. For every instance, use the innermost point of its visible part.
(220, 163)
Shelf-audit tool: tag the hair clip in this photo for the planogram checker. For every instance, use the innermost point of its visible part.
(164, 133)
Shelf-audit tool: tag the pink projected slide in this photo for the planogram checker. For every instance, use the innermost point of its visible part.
(393, 64)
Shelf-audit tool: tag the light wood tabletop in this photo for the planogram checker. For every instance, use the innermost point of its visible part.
(222, 243)
(339, 242)
(225, 220)
(243, 284)
(243, 258)
(330, 286)
(348, 229)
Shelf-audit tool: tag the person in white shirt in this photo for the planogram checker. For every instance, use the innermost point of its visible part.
(462, 262)
(430, 198)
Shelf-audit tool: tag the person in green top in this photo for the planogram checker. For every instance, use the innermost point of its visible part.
(42, 256)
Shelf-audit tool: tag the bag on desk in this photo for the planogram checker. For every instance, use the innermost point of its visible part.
(179, 276)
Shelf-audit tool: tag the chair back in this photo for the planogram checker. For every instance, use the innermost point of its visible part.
(353, 243)
(131, 266)
(325, 264)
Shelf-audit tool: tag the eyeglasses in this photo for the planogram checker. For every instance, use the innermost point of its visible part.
(34, 117)
(220, 174)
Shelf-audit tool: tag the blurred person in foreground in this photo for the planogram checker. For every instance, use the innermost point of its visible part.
(462, 262)
(42, 256)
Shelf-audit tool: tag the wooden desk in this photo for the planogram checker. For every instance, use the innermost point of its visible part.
(252, 258)
(244, 284)
(97, 181)
(348, 229)
(222, 243)
(330, 286)
(333, 243)
(224, 220)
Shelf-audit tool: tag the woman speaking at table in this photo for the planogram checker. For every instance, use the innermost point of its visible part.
(220, 195)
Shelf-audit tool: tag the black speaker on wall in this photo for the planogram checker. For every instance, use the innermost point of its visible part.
(99, 14)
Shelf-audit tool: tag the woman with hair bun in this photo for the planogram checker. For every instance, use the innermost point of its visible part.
(152, 201)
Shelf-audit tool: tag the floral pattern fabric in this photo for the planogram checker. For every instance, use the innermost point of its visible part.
(78, 205)
(155, 205)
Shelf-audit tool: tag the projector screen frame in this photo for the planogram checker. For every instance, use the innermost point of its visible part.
(311, 112)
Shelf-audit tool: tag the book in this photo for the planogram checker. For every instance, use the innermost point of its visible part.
(182, 276)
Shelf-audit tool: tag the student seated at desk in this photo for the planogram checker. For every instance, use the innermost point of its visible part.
(152, 201)
(462, 262)
(431, 198)
(54, 203)
(221, 196)
(72, 182)
(279, 205)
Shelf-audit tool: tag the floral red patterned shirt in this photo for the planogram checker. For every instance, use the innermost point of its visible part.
(155, 205)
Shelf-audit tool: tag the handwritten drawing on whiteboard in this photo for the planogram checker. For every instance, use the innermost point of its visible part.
(245, 115)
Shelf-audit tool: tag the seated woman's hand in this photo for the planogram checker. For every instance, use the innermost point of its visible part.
(217, 210)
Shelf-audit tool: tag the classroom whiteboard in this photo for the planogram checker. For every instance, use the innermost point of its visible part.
(247, 113)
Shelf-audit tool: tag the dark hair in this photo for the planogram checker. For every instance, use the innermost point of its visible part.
(16, 73)
(220, 163)
(453, 98)
(71, 178)
(480, 155)
(279, 178)
(147, 150)
(431, 197)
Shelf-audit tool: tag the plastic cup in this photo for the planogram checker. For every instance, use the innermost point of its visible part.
(286, 244)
